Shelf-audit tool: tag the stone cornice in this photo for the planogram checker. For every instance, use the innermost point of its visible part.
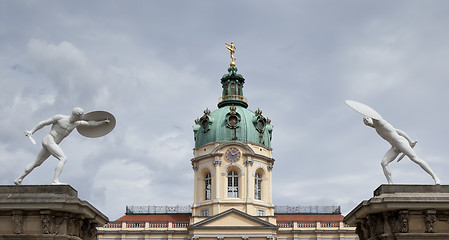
(217, 154)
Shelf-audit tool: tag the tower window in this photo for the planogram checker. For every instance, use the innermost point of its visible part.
(258, 187)
(225, 89)
(233, 184)
(232, 89)
(208, 186)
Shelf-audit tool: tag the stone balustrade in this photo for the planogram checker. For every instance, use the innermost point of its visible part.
(313, 225)
(184, 225)
(147, 225)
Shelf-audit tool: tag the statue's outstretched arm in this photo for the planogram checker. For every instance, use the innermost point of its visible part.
(43, 124)
(92, 123)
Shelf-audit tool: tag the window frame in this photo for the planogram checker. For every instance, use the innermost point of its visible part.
(233, 184)
(258, 186)
(207, 186)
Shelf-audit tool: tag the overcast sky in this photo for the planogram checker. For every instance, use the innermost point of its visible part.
(156, 65)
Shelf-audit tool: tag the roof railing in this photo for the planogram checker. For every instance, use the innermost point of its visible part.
(135, 210)
(307, 209)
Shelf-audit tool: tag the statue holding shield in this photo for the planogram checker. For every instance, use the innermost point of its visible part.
(399, 140)
(92, 124)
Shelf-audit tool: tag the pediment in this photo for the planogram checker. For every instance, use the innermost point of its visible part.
(233, 219)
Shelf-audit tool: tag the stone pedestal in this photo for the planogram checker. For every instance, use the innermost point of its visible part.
(403, 212)
(46, 212)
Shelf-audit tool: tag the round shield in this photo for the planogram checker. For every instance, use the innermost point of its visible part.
(363, 109)
(100, 130)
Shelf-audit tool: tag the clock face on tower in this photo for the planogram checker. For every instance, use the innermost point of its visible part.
(232, 155)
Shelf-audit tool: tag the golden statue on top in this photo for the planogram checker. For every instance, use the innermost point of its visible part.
(231, 47)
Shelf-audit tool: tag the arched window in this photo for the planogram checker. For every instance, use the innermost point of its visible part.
(233, 184)
(258, 187)
(208, 186)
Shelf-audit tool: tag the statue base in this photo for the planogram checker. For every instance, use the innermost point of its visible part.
(46, 212)
(403, 212)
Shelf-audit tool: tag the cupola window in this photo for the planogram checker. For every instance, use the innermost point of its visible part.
(225, 90)
(232, 121)
(260, 125)
(206, 120)
(232, 89)
(205, 125)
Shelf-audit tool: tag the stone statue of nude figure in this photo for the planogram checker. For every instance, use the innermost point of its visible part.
(400, 142)
(61, 127)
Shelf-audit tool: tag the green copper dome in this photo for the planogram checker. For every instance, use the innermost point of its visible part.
(232, 121)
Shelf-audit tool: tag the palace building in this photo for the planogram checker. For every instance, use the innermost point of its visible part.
(232, 166)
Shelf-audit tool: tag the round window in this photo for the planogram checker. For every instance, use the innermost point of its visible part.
(232, 120)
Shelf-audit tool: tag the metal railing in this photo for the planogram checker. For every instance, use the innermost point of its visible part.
(133, 210)
(307, 209)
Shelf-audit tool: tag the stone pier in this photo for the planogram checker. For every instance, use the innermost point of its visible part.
(47, 212)
(397, 212)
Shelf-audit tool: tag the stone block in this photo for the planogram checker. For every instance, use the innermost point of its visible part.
(403, 212)
(46, 212)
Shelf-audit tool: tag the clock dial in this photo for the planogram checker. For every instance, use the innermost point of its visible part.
(232, 154)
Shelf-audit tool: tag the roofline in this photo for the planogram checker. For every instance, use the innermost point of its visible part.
(233, 210)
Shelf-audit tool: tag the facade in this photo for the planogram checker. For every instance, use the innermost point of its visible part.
(232, 166)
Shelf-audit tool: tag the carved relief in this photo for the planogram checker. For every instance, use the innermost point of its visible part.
(57, 221)
(46, 227)
(404, 222)
(359, 231)
(72, 227)
(365, 229)
(87, 229)
(69, 226)
(51, 224)
(78, 225)
(249, 162)
(430, 219)
(217, 161)
(18, 223)
(373, 225)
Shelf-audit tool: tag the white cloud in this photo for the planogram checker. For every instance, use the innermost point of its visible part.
(132, 179)
(157, 68)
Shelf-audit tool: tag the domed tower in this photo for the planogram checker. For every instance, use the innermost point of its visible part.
(232, 156)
